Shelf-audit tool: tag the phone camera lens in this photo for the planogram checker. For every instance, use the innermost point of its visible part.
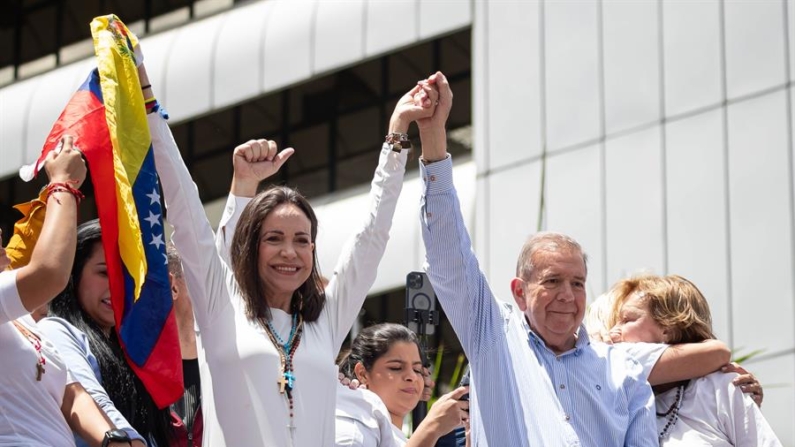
(415, 281)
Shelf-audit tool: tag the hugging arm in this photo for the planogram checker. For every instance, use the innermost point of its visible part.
(689, 361)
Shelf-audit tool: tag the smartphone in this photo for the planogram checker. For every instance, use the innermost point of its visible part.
(421, 312)
(465, 382)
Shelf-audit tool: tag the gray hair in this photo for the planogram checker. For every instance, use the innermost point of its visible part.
(546, 241)
(174, 260)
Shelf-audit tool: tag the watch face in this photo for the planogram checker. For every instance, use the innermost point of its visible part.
(117, 436)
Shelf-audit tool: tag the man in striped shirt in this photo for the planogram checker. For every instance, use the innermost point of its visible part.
(536, 378)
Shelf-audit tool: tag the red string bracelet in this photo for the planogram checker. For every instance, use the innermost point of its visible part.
(64, 187)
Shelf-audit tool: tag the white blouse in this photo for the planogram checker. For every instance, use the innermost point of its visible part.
(363, 420)
(714, 412)
(241, 400)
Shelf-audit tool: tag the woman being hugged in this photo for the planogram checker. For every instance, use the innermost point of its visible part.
(708, 410)
(269, 330)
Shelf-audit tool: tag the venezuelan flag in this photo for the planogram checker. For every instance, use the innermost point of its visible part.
(107, 117)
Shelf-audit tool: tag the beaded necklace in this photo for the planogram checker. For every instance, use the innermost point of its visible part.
(286, 381)
(673, 412)
(36, 342)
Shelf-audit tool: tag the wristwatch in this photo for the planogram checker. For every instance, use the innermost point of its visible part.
(116, 436)
(398, 141)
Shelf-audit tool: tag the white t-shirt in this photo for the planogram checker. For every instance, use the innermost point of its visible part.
(30, 410)
(362, 420)
(714, 412)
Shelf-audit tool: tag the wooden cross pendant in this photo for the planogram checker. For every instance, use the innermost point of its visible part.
(39, 371)
(282, 383)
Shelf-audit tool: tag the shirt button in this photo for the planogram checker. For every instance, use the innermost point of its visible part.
(562, 386)
(433, 178)
(429, 215)
(567, 417)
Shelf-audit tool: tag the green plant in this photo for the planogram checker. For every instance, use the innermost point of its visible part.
(741, 358)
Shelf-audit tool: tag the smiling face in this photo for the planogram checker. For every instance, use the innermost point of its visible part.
(285, 253)
(553, 297)
(635, 323)
(396, 377)
(93, 291)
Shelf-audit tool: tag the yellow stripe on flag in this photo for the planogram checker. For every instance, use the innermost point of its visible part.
(129, 132)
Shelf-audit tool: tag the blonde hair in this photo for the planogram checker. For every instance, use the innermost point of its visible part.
(598, 315)
(673, 302)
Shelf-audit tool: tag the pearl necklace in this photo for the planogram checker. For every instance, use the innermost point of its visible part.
(673, 413)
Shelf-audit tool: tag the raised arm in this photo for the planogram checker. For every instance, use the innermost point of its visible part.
(357, 266)
(206, 276)
(51, 261)
(451, 264)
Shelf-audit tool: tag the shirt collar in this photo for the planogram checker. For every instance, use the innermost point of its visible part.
(580, 343)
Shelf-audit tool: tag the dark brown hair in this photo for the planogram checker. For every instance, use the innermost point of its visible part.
(308, 299)
(124, 388)
(372, 343)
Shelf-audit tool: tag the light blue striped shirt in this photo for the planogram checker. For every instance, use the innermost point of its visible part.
(522, 394)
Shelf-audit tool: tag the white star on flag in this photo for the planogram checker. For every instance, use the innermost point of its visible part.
(157, 241)
(153, 219)
(154, 197)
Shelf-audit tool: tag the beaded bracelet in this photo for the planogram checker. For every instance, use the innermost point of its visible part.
(151, 105)
(64, 187)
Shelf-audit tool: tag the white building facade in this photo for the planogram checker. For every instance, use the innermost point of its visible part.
(657, 133)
